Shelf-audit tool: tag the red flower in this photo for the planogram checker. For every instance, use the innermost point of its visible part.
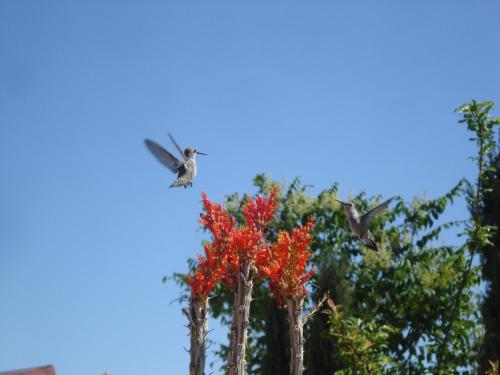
(216, 219)
(259, 212)
(245, 242)
(285, 263)
(212, 267)
(210, 270)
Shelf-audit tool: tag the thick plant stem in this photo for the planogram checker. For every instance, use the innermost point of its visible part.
(198, 328)
(239, 326)
(295, 308)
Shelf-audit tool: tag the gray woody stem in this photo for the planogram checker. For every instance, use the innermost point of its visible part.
(198, 328)
(241, 311)
(296, 321)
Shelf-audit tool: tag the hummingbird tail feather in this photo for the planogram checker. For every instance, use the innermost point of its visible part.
(371, 244)
(178, 183)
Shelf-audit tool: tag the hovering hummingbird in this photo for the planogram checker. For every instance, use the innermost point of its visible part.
(359, 224)
(185, 168)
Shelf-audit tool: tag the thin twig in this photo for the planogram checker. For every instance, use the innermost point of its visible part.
(315, 308)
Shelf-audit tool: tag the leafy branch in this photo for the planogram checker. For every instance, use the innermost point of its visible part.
(476, 116)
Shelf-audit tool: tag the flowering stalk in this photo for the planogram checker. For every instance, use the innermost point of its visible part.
(197, 314)
(247, 243)
(287, 277)
(209, 272)
(233, 257)
(201, 284)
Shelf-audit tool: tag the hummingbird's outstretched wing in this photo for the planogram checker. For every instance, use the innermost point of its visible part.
(366, 218)
(177, 146)
(163, 156)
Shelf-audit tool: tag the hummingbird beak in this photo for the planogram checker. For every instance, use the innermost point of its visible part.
(342, 203)
(201, 153)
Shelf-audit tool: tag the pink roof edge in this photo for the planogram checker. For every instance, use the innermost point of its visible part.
(44, 370)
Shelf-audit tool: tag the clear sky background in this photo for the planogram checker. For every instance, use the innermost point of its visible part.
(361, 93)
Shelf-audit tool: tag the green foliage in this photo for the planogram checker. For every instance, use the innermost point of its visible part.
(477, 117)
(478, 234)
(361, 344)
(488, 240)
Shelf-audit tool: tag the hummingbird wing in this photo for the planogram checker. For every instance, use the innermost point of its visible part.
(177, 146)
(163, 156)
(366, 218)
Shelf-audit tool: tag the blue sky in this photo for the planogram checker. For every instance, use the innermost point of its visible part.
(359, 93)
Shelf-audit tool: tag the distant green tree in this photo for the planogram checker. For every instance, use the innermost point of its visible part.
(484, 204)
(475, 115)
(403, 293)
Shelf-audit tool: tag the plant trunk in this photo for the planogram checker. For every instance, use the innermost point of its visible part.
(296, 321)
(198, 328)
(239, 325)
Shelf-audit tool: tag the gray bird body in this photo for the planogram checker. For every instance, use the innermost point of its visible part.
(185, 168)
(360, 224)
(186, 174)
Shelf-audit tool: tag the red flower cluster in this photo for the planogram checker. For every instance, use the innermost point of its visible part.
(244, 244)
(216, 219)
(258, 213)
(212, 268)
(285, 263)
(230, 245)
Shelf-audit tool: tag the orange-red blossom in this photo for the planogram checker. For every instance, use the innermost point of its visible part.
(211, 267)
(284, 262)
(259, 212)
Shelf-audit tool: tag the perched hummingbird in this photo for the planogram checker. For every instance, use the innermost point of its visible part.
(185, 169)
(359, 224)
